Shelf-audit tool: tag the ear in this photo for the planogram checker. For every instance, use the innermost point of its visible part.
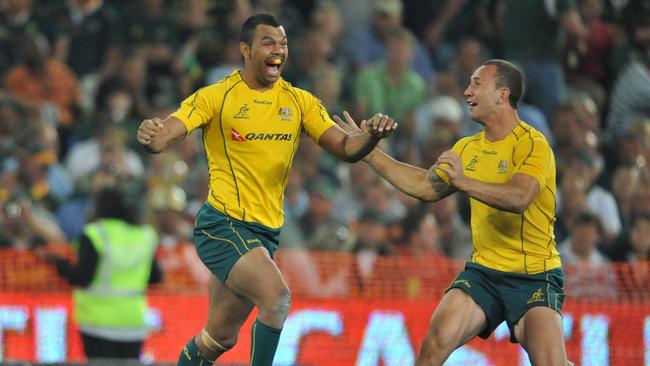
(504, 95)
(245, 50)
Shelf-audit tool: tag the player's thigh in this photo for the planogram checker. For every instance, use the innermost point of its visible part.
(227, 311)
(457, 319)
(540, 332)
(257, 277)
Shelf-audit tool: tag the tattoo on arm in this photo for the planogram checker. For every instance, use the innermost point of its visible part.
(442, 188)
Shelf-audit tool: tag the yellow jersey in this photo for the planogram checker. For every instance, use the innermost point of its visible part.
(250, 139)
(502, 240)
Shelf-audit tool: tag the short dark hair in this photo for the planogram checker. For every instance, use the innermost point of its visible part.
(587, 218)
(112, 202)
(509, 76)
(248, 28)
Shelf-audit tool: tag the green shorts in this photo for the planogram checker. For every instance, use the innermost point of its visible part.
(507, 296)
(221, 240)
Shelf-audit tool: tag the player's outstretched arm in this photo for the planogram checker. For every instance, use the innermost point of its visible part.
(414, 181)
(156, 135)
(352, 146)
(514, 196)
(422, 184)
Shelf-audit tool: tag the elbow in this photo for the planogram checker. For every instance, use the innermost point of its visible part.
(521, 206)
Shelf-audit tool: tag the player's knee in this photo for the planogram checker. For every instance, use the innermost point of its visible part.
(437, 343)
(278, 305)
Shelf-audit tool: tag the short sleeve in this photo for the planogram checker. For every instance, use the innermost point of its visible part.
(315, 119)
(195, 111)
(533, 157)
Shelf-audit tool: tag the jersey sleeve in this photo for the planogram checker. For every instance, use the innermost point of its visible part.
(195, 111)
(315, 119)
(457, 148)
(533, 157)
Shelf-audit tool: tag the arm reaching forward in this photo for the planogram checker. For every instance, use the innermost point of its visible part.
(414, 181)
(156, 135)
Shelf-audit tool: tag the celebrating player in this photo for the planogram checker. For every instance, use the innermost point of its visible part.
(251, 123)
(508, 171)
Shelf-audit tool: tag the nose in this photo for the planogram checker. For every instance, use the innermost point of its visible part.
(467, 92)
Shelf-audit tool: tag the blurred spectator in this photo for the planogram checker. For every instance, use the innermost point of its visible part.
(421, 236)
(532, 37)
(348, 199)
(440, 116)
(600, 201)
(370, 243)
(391, 87)
(43, 81)
(90, 40)
(629, 99)
(106, 153)
(110, 309)
(315, 49)
(455, 234)
(327, 18)
(441, 24)
(367, 44)
(573, 198)
(327, 85)
(18, 19)
(588, 273)
(625, 184)
(591, 62)
(48, 182)
(286, 13)
(321, 228)
(639, 240)
(26, 225)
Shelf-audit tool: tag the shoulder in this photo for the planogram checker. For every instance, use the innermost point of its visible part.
(463, 142)
(526, 135)
(302, 96)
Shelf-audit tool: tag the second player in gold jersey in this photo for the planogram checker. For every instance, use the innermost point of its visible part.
(503, 240)
(508, 171)
(250, 139)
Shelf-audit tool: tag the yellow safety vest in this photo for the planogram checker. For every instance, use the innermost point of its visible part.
(116, 296)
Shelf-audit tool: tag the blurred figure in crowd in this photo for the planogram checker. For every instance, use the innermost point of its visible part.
(116, 263)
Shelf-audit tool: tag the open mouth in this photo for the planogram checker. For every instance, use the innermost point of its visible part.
(471, 104)
(273, 66)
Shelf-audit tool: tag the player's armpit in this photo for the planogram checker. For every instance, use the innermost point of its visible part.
(441, 188)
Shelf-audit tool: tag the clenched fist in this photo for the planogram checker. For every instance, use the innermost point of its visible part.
(148, 129)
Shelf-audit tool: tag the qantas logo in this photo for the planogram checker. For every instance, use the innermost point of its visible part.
(236, 136)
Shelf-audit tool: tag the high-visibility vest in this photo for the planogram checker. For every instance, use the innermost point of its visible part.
(116, 296)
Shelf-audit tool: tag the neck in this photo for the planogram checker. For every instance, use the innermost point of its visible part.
(396, 72)
(499, 124)
(253, 82)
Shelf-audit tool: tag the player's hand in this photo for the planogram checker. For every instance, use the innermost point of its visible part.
(450, 163)
(349, 126)
(380, 126)
(148, 129)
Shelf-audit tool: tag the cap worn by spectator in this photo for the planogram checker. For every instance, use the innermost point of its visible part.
(393, 7)
(373, 215)
(446, 108)
(322, 187)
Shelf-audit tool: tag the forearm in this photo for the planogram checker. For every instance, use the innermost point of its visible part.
(501, 196)
(414, 181)
(170, 131)
(358, 145)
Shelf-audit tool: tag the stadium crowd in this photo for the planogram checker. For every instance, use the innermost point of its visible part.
(77, 77)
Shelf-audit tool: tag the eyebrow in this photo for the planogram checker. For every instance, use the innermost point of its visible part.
(272, 39)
